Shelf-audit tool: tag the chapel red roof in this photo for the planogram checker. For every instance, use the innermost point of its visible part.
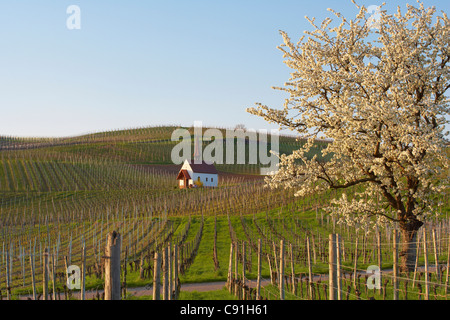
(203, 167)
(185, 173)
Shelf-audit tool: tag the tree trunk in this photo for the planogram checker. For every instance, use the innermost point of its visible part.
(407, 255)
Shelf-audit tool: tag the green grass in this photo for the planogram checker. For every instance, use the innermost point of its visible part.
(222, 294)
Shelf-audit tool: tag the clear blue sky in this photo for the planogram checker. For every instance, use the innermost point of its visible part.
(140, 63)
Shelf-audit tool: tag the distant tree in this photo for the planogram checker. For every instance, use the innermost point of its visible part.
(378, 92)
(240, 127)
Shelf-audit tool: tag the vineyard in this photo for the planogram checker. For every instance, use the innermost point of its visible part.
(61, 198)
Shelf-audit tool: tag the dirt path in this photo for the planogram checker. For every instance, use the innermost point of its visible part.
(199, 287)
(148, 290)
(205, 286)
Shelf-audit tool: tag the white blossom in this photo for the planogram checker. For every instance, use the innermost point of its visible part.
(379, 95)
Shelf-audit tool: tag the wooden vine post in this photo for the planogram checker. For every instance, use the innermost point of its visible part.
(448, 268)
(308, 248)
(379, 254)
(355, 265)
(294, 287)
(175, 271)
(436, 256)
(281, 273)
(230, 270)
(395, 266)
(236, 266)
(112, 266)
(258, 283)
(83, 273)
(243, 269)
(156, 276)
(425, 256)
(169, 271)
(338, 266)
(53, 276)
(33, 279)
(45, 275)
(165, 274)
(8, 277)
(332, 262)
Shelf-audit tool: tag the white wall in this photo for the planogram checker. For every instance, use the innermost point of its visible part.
(204, 176)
